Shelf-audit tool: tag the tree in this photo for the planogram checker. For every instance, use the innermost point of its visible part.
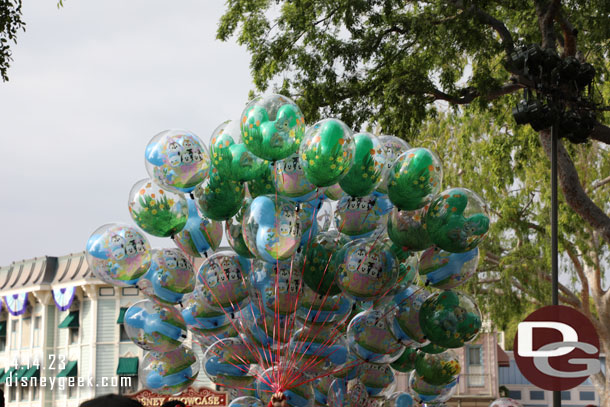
(435, 73)
(10, 24)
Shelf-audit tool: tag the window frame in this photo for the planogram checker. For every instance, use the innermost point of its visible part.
(471, 382)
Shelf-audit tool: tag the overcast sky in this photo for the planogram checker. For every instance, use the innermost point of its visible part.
(90, 85)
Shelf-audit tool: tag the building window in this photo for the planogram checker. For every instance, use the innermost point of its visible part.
(71, 392)
(474, 360)
(73, 336)
(106, 291)
(23, 393)
(14, 344)
(35, 393)
(129, 292)
(3, 335)
(26, 332)
(123, 332)
(536, 395)
(565, 395)
(587, 395)
(12, 393)
(514, 394)
(36, 341)
(128, 384)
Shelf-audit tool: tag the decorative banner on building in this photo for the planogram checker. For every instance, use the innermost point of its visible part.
(202, 397)
(16, 303)
(63, 297)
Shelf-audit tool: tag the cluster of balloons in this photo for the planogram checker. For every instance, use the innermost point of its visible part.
(345, 256)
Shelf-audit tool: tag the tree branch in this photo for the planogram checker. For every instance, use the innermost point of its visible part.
(601, 133)
(469, 94)
(599, 183)
(574, 194)
(569, 35)
(488, 19)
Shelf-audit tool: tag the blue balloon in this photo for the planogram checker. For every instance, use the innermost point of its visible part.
(215, 366)
(139, 318)
(155, 381)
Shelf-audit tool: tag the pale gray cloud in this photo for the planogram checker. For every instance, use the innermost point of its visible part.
(90, 85)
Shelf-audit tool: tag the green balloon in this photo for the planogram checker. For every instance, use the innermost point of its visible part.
(320, 270)
(457, 221)
(263, 185)
(218, 198)
(408, 229)
(438, 369)
(432, 348)
(272, 127)
(450, 319)
(406, 362)
(157, 211)
(233, 229)
(234, 161)
(365, 174)
(327, 152)
(414, 179)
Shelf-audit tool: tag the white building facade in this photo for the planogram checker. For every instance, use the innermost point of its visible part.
(65, 356)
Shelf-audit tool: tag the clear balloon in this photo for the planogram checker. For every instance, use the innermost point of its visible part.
(450, 319)
(327, 152)
(233, 231)
(118, 254)
(318, 350)
(222, 275)
(169, 372)
(334, 192)
(218, 198)
(232, 160)
(415, 179)
(439, 369)
(206, 319)
(457, 220)
(159, 212)
(154, 327)
(199, 234)
(505, 402)
(379, 380)
(424, 392)
(367, 270)
(318, 310)
(369, 161)
(171, 274)
(177, 160)
(247, 401)
(393, 147)
(320, 269)
(359, 217)
(404, 319)
(226, 369)
(370, 339)
(271, 228)
(278, 285)
(399, 399)
(408, 229)
(272, 127)
(446, 270)
(264, 185)
(291, 182)
(406, 362)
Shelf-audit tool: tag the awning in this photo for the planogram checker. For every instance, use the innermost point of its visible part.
(127, 367)
(20, 372)
(1, 373)
(121, 317)
(34, 371)
(3, 328)
(7, 374)
(503, 359)
(69, 371)
(71, 321)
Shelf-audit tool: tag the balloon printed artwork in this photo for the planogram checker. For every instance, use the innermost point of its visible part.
(345, 252)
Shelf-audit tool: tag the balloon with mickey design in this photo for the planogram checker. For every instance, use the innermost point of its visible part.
(334, 234)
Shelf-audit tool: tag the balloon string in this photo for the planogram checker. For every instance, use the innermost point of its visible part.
(300, 288)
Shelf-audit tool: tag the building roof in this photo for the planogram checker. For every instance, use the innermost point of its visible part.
(70, 269)
(27, 275)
